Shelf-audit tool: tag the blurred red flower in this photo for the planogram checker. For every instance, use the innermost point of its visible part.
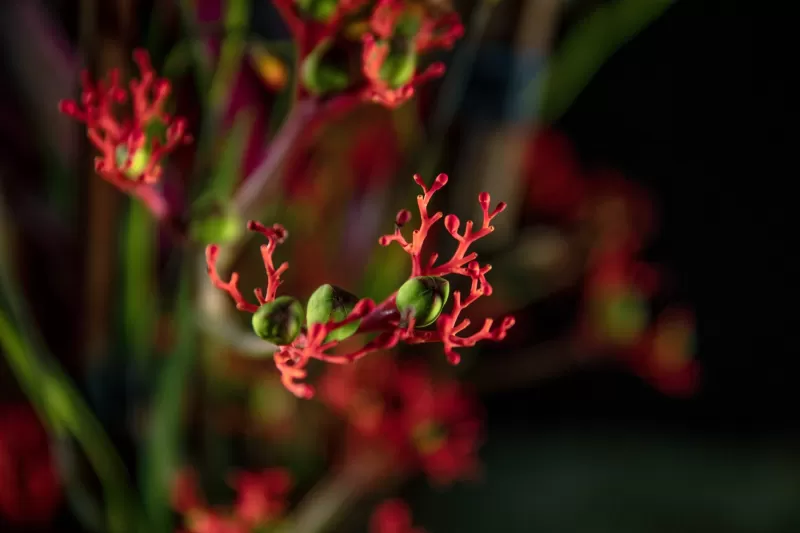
(30, 492)
(430, 425)
(392, 516)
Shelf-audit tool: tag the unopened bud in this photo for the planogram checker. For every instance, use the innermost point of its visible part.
(331, 303)
(279, 321)
(423, 298)
(319, 10)
(320, 76)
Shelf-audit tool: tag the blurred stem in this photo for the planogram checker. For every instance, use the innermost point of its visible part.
(251, 192)
(454, 86)
(317, 512)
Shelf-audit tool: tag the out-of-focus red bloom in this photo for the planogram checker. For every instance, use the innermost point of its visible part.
(261, 496)
(30, 492)
(555, 183)
(260, 502)
(399, 33)
(311, 343)
(374, 156)
(426, 424)
(131, 148)
(665, 355)
(186, 495)
(620, 212)
(392, 516)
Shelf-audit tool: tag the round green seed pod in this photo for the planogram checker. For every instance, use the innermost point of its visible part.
(138, 162)
(328, 303)
(423, 298)
(279, 321)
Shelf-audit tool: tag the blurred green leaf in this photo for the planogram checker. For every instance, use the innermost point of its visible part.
(178, 61)
(65, 411)
(587, 47)
(160, 457)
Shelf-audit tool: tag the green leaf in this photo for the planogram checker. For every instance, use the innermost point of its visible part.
(587, 47)
(160, 456)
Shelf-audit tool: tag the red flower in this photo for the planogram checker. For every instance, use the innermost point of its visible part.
(556, 186)
(260, 501)
(261, 496)
(432, 426)
(392, 516)
(130, 149)
(399, 34)
(30, 492)
(665, 356)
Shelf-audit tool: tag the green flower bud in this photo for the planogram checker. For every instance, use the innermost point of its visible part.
(138, 163)
(399, 68)
(623, 317)
(423, 298)
(319, 10)
(320, 76)
(279, 321)
(216, 224)
(332, 303)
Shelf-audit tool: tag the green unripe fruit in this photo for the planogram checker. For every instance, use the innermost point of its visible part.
(138, 162)
(321, 77)
(319, 10)
(399, 68)
(423, 298)
(279, 321)
(331, 303)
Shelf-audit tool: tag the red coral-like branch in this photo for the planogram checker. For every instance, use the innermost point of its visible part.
(109, 134)
(291, 360)
(275, 235)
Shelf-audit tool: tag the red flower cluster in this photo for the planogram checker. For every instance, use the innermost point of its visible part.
(618, 287)
(130, 147)
(383, 318)
(397, 33)
(423, 424)
(392, 516)
(260, 502)
(29, 489)
(391, 46)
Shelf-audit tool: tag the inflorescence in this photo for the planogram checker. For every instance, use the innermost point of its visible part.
(131, 148)
(333, 314)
